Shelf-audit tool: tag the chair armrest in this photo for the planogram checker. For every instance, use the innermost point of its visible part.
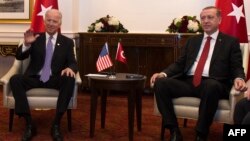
(234, 97)
(78, 78)
(15, 69)
(245, 55)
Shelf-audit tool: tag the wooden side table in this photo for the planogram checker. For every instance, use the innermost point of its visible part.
(135, 88)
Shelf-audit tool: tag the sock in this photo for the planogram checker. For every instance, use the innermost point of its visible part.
(202, 135)
(27, 118)
(174, 129)
(58, 118)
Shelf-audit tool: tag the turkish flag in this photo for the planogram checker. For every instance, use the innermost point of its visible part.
(120, 54)
(233, 18)
(40, 8)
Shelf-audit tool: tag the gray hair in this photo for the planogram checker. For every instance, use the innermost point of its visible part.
(55, 11)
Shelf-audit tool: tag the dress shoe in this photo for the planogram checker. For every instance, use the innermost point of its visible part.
(29, 132)
(176, 135)
(199, 138)
(56, 133)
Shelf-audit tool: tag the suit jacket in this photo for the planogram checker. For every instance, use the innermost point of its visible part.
(226, 61)
(62, 58)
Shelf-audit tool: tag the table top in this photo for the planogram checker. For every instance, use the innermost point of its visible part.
(119, 77)
(120, 81)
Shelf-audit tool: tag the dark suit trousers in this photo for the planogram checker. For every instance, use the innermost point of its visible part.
(22, 83)
(242, 112)
(210, 92)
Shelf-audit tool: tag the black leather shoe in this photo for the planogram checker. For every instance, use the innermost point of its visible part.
(199, 138)
(56, 133)
(29, 132)
(176, 135)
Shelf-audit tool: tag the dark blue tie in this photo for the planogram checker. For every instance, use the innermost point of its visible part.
(47, 64)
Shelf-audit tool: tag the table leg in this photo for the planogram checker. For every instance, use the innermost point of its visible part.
(131, 111)
(93, 107)
(103, 107)
(138, 108)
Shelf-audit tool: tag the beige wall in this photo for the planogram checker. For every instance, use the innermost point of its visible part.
(138, 16)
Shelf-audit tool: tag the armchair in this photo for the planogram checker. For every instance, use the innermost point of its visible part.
(39, 98)
(187, 107)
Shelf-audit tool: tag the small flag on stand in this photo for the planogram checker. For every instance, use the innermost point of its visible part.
(40, 8)
(120, 54)
(103, 62)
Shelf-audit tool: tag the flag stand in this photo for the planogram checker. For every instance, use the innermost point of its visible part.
(111, 74)
(112, 70)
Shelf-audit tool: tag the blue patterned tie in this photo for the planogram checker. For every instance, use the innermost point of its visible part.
(47, 64)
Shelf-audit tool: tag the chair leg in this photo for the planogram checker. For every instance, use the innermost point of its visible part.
(162, 131)
(11, 117)
(185, 122)
(69, 120)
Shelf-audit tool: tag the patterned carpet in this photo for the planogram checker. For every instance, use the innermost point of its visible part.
(116, 123)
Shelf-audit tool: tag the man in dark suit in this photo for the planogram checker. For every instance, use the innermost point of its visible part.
(47, 69)
(222, 66)
(242, 108)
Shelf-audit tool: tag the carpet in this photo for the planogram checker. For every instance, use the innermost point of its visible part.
(116, 128)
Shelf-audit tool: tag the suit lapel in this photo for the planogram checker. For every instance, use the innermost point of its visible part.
(217, 48)
(42, 45)
(58, 44)
(196, 48)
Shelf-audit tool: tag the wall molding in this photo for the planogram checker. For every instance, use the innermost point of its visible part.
(17, 36)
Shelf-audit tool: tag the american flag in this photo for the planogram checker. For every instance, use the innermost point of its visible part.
(104, 61)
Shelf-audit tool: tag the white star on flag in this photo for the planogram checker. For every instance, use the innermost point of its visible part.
(44, 10)
(40, 8)
(237, 12)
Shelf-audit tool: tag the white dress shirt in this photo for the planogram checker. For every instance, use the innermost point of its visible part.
(205, 72)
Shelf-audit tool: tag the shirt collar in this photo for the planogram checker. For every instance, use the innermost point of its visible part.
(54, 36)
(214, 35)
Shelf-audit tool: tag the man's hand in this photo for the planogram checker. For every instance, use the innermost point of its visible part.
(29, 37)
(154, 77)
(247, 93)
(68, 72)
(240, 85)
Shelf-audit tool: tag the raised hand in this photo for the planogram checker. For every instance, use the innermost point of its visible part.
(29, 37)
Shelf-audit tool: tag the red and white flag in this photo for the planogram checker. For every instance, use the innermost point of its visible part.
(103, 62)
(233, 18)
(40, 8)
(120, 54)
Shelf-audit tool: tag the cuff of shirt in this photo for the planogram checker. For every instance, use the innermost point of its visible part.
(239, 79)
(164, 74)
(24, 48)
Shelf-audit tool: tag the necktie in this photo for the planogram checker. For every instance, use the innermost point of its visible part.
(201, 63)
(47, 64)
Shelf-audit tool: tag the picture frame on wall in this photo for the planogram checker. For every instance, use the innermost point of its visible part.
(16, 11)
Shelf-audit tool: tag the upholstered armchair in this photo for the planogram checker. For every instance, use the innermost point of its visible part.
(187, 107)
(39, 98)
